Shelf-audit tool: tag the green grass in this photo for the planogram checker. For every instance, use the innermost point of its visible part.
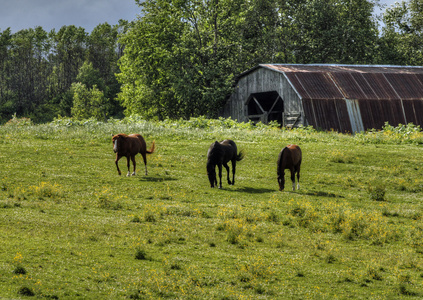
(71, 228)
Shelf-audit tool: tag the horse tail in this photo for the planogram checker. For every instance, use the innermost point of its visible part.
(240, 155)
(153, 147)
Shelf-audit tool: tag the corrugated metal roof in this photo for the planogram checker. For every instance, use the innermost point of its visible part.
(353, 82)
(344, 68)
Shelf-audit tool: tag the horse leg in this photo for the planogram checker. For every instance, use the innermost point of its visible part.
(128, 165)
(220, 175)
(293, 178)
(227, 170)
(144, 157)
(134, 163)
(116, 162)
(233, 171)
(298, 177)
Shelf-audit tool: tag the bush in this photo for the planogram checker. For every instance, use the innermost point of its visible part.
(15, 121)
(25, 291)
(377, 192)
(140, 254)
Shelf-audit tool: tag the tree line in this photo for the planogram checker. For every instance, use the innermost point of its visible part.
(180, 58)
(68, 72)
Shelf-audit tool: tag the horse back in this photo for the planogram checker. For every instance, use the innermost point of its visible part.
(230, 150)
(296, 155)
(136, 143)
(221, 152)
(289, 157)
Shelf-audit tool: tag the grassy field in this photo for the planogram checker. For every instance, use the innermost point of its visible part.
(71, 228)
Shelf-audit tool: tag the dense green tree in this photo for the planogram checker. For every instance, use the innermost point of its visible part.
(402, 37)
(88, 102)
(37, 69)
(6, 94)
(333, 31)
(179, 58)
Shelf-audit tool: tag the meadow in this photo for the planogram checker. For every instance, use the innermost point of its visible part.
(71, 228)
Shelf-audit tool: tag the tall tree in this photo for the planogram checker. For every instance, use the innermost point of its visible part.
(402, 37)
(179, 58)
(332, 31)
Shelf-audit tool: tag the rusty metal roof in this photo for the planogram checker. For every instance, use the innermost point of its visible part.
(353, 81)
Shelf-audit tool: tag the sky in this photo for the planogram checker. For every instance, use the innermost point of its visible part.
(53, 14)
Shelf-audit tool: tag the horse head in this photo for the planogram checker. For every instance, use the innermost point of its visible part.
(116, 139)
(212, 162)
(282, 162)
(281, 181)
(211, 173)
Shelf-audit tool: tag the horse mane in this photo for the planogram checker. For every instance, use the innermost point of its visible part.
(122, 135)
(215, 152)
(280, 159)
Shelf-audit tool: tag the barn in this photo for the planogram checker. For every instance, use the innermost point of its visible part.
(345, 98)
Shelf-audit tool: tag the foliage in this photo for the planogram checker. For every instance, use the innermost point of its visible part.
(88, 102)
(402, 39)
(15, 121)
(401, 134)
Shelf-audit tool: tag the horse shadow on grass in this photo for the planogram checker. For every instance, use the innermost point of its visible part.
(251, 190)
(323, 194)
(157, 178)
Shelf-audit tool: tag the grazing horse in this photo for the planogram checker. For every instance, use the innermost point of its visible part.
(220, 154)
(289, 158)
(129, 146)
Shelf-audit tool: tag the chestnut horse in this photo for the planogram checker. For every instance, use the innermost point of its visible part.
(289, 158)
(129, 146)
(220, 154)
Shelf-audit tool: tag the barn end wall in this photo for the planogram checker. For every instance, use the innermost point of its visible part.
(259, 81)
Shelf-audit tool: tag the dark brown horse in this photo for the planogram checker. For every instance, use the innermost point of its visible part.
(220, 154)
(289, 158)
(129, 146)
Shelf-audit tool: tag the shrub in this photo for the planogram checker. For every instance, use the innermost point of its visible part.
(377, 192)
(26, 291)
(140, 254)
(19, 270)
(15, 121)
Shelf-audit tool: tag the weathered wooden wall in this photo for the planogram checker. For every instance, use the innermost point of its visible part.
(259, 81)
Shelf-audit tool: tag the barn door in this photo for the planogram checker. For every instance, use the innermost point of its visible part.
(265, 107)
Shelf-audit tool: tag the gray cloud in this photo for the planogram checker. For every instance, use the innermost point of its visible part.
(23, 14)
(53, 14)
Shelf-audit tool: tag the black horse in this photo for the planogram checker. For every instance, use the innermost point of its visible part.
(220, 154)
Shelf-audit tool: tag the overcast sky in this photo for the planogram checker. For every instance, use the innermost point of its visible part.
(53, 14)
